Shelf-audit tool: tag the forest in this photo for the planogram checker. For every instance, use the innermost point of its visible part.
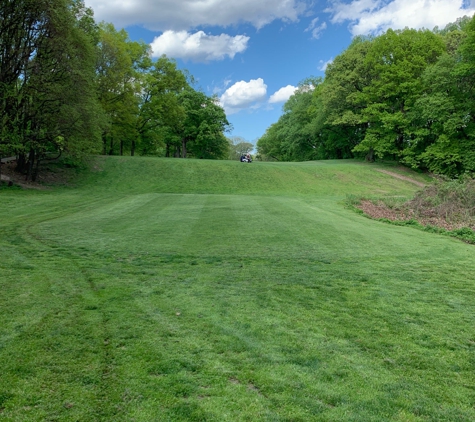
(72, 86)
(405, 95)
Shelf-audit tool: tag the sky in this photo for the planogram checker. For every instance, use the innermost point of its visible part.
(252, 54)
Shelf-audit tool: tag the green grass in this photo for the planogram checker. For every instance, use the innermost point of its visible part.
(193, 290)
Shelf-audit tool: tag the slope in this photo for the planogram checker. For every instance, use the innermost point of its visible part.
(179, 290)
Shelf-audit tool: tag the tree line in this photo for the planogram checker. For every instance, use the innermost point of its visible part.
(71, 85)
(406, 95)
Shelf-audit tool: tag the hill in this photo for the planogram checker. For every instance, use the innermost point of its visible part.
(191, 290)
(332, 177)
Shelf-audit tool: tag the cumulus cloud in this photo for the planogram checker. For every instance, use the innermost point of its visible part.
(198, 47)
(376, 16)
(283, 94)
(323, 65)
(161, 15)
(243, 95)
(316, 30)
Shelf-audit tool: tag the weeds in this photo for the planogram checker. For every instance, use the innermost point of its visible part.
(446, 206)
(450, 199)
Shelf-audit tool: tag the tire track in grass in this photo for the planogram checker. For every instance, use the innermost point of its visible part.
(401, 177)
(67, 310)
(51, 344)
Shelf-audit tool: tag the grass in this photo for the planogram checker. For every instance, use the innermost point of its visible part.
(176, 290)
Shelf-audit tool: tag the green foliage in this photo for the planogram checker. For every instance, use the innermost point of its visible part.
(48, 101)
(465, 233)
(160, 109)
(238, 147)
(70, 86)
(201, 133)
(120, 68)
(406, 95)
(291, 138)
(396, 62)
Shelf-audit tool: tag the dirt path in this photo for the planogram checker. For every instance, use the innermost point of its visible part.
(401, 177)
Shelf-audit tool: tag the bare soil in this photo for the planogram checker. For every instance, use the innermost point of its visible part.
(380, 210)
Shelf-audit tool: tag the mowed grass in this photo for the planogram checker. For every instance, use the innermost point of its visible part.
(194, 290)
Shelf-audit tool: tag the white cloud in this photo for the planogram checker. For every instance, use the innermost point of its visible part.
(243, 95)
(161, 15)
(324, 65)
(218, 89)
(198, 47)
(376, 16)
(316, 30)
(312, 24)
(283, 94)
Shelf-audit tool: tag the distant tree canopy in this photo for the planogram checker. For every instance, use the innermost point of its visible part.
(238, 146)
(408, 95)
(69, 85)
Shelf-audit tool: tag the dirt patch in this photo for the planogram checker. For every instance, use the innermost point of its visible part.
(380, 210)
(401, 177)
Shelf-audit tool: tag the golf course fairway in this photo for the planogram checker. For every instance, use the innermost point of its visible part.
(194, 290)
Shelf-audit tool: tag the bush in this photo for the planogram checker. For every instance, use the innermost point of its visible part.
(450, 199)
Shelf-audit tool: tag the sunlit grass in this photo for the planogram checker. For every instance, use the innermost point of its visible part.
(175, 290)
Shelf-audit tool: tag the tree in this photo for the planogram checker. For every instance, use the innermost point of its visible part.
(47, 68)
(201, 133)
(456, 143)
(121, 67)
(340, 108)
(292, 137)
(396, 62)
(159, 103)
(238, 146)
(407, 95)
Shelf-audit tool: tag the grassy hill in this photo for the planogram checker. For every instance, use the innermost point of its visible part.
(145, 175)
(194, 290)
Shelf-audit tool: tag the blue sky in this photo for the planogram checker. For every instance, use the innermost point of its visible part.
(253, 53)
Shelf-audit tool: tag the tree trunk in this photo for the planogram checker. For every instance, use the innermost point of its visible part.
(111, 148)
(132, 149)
(370, 156)
(31, 162)
(21, 163)
(400, 142)
(183, 151)
(36, 170)
(104, 144)
(167, 151)
(121, 147)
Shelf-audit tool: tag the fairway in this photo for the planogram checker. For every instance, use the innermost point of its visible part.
(196, 290)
